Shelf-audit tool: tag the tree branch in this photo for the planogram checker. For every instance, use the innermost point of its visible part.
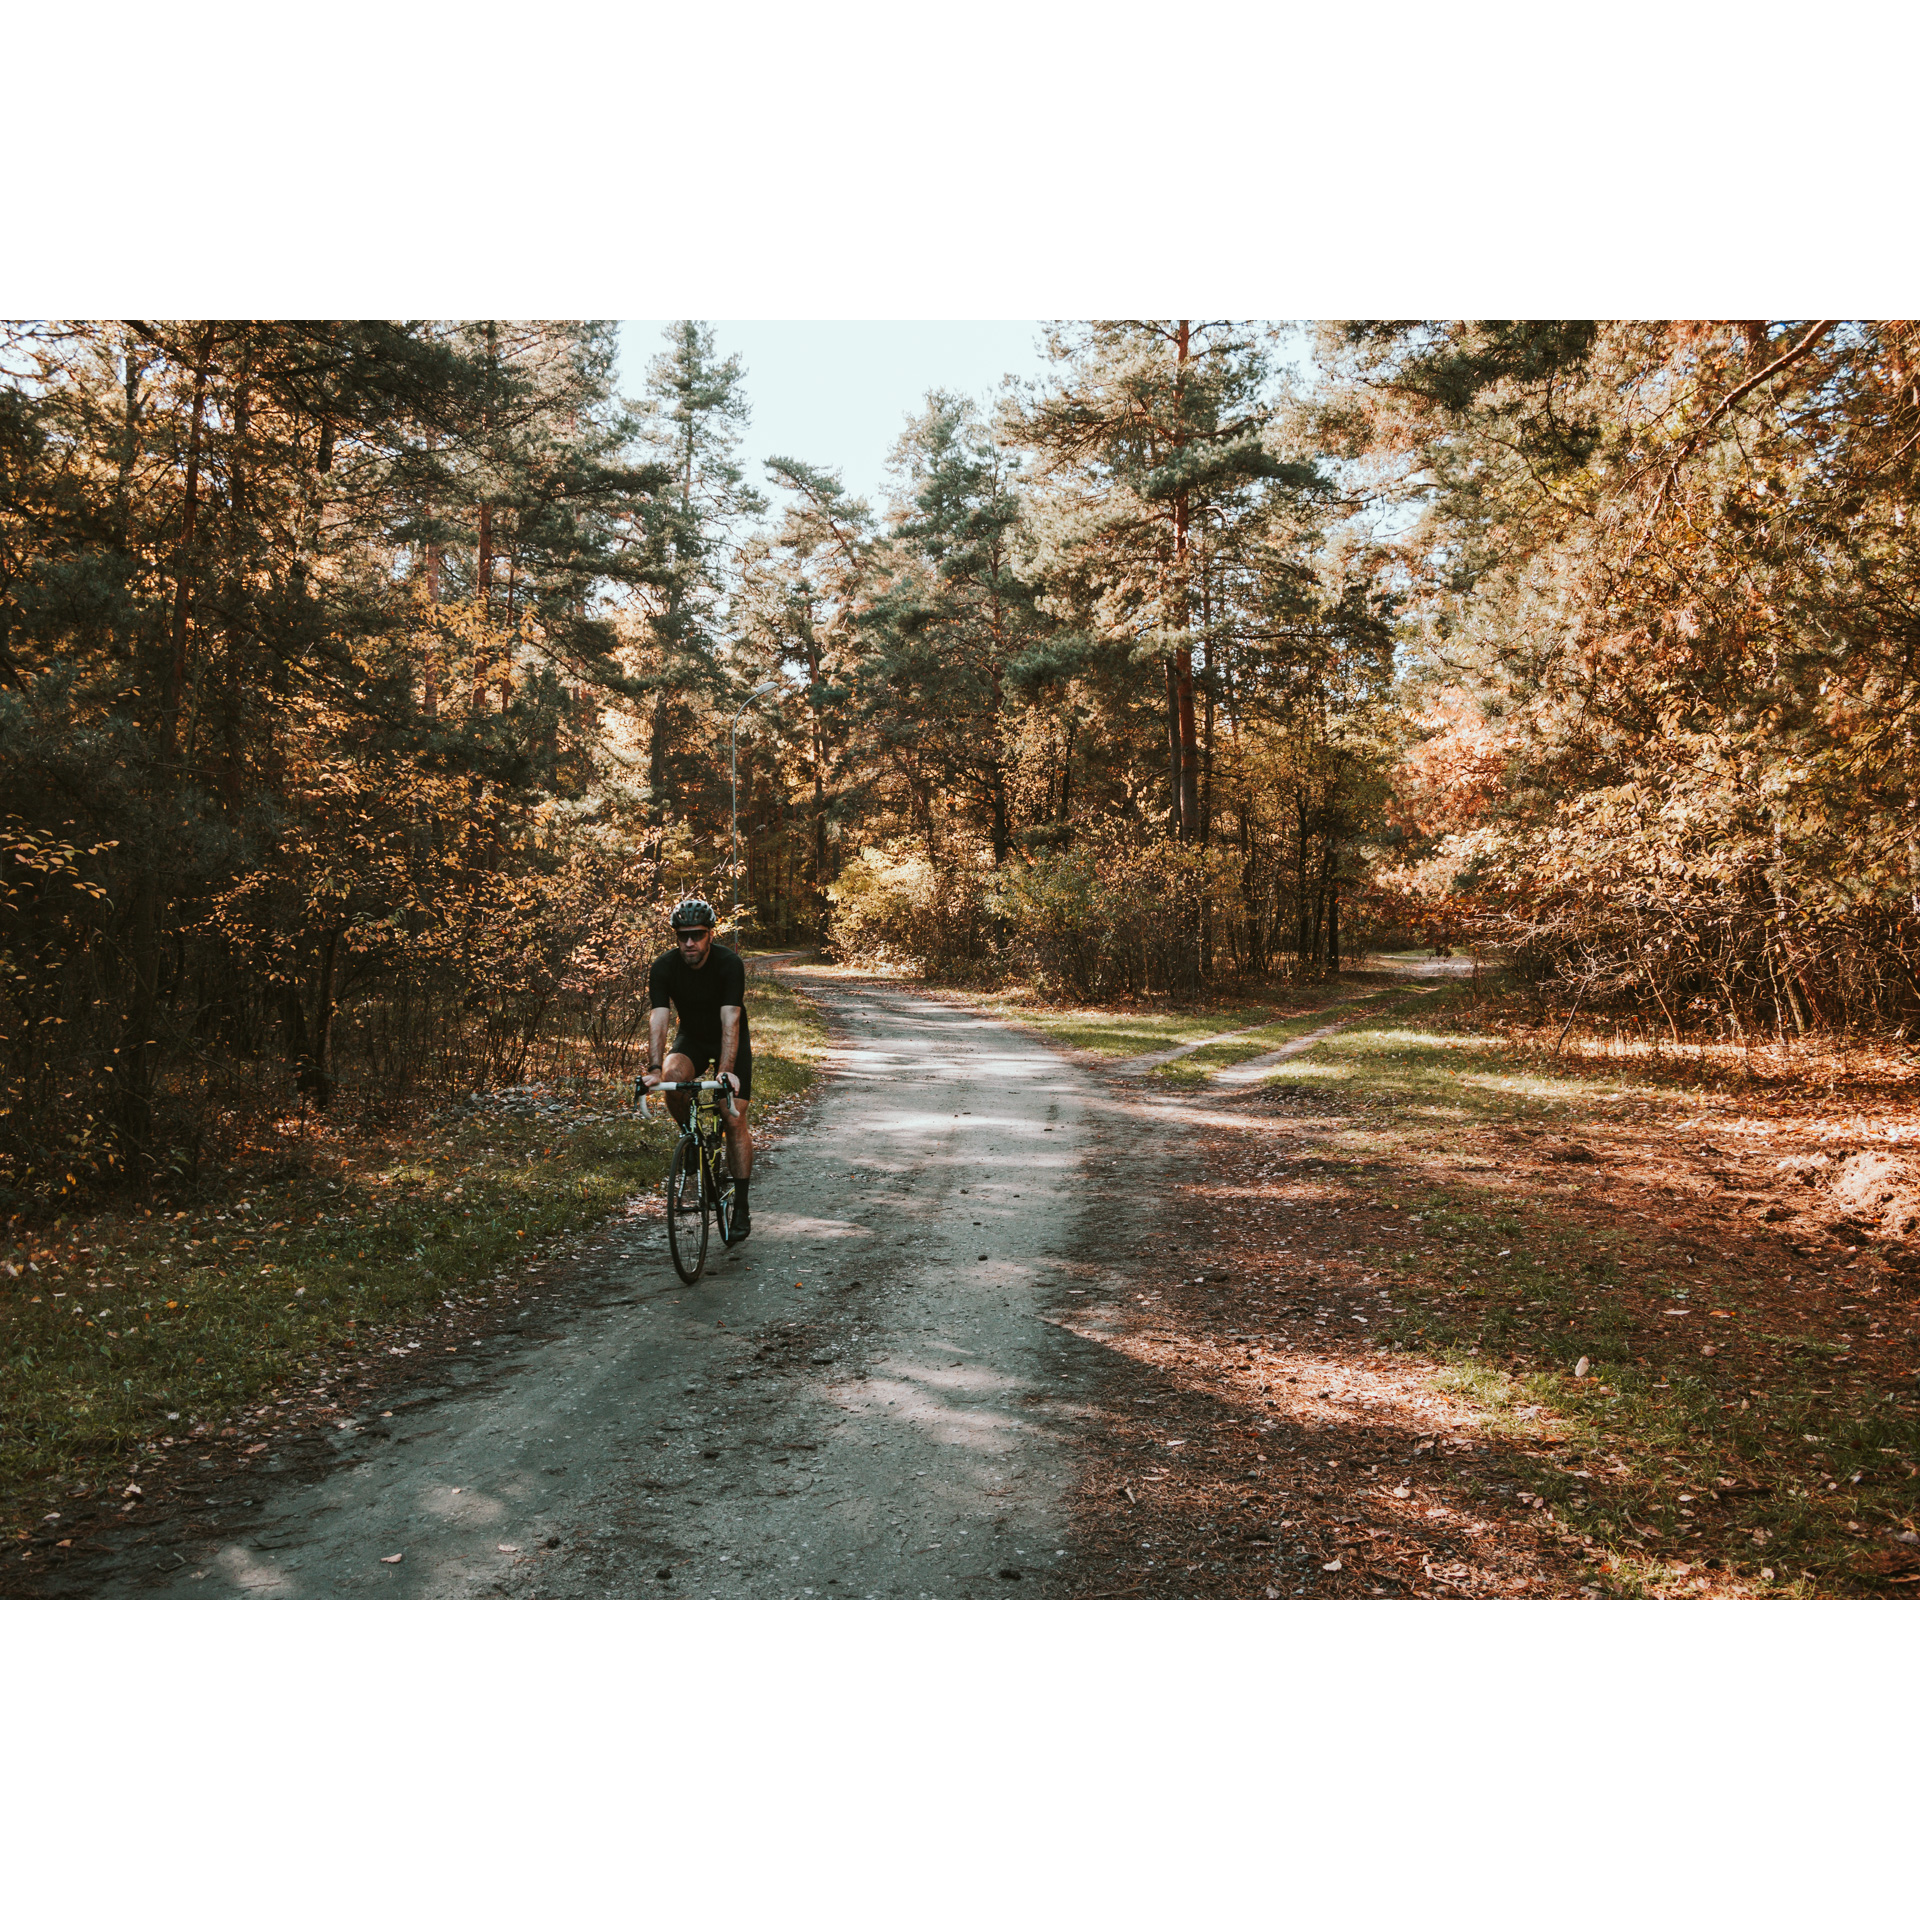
(1798, 351)
(1805, 346)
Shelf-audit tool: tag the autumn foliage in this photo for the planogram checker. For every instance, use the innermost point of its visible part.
(367, 689)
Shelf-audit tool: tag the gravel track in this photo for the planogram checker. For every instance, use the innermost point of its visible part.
(877, 1395)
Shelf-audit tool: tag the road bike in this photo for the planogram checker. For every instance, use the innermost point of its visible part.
(699, 1182)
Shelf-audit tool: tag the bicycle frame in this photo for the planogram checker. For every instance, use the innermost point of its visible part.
(701, 1152)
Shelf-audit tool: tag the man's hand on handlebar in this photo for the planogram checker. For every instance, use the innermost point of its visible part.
(726, 1084)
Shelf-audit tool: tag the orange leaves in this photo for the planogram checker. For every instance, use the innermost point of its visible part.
(1456, 771)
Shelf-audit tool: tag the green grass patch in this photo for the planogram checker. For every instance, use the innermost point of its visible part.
(1196, 1068)
(789, 1040)
(1124, 1032)
(133, 1327)
(1658, 1468)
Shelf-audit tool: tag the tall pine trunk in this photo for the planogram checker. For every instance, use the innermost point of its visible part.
(1251, 904)
(1205, 832)
(1173, 748)
(181, 628)
(147, 904)
(429, 680)
(1304, 946)
(820, 875)
(232, 746)
(1184, 749)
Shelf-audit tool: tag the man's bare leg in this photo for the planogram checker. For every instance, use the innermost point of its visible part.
(678, 1067)
(739, 1140)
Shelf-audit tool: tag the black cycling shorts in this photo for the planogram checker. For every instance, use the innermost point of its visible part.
(700, 1048)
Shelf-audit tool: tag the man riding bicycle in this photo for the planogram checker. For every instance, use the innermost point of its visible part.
(706, 984)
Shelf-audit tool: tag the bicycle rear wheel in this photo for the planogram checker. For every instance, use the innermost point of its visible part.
(686, 1212)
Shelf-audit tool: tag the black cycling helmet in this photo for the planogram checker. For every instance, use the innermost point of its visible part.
(693, 912)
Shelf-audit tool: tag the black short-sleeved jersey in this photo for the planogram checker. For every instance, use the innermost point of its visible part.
(697, 994)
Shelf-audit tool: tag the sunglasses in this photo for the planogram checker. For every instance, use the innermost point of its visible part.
(695, 933)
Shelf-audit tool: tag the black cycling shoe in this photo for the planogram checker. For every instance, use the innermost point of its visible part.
(738, 1224)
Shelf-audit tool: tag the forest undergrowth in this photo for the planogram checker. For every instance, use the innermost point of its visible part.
(1646, 1271)
(142, 1343)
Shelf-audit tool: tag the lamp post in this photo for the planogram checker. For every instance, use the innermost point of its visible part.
(733, 731)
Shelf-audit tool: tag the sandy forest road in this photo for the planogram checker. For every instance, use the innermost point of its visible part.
(875, 1396)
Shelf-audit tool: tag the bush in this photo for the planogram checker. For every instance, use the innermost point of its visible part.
(893, 907)
(1096, 921)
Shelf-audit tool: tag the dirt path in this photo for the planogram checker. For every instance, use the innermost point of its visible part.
(1249, 1072)
(871, 1397)
(1135, 1065)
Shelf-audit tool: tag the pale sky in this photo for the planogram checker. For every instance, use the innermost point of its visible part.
(836, 393)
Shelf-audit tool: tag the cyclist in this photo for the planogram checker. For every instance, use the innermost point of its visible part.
(706, 984)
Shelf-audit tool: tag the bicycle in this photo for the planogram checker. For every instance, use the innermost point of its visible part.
(699, 1181)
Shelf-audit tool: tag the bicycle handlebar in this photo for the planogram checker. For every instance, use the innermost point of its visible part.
(641, 1090)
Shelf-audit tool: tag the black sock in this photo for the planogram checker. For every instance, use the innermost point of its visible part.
(739, 1190)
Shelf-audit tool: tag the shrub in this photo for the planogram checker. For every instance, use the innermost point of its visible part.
(894, 907)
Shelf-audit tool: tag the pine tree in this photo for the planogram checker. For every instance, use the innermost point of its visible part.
(219, 677)
(1148, 426)
(803, 590)
(957, 616)
(691, 422)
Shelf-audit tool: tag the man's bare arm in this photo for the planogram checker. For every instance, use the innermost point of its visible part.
(729, 1037)
(658, 1021)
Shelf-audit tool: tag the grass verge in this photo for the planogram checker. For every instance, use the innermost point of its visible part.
(126, 1333)
(1745, 1418)
(1195, 1069)
(1127, 1030)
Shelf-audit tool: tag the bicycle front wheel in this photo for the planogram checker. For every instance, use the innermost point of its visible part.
(686, 1213)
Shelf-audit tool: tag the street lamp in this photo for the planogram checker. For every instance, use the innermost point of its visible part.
(733, 731)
